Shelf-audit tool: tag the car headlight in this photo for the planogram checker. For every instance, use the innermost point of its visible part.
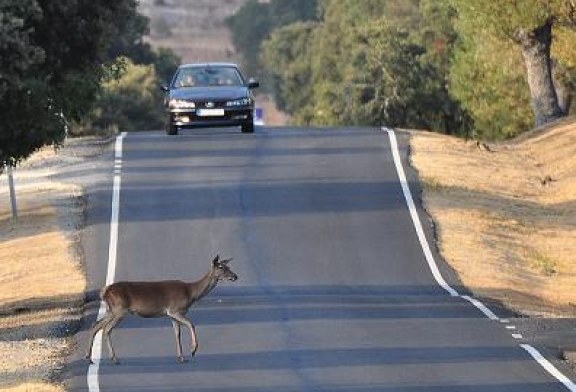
(239, 102)
(181, 104)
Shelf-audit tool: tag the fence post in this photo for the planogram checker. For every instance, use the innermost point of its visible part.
(12, 194)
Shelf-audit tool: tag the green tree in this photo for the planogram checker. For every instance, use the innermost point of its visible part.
(368, 63)
(491, 86)
(129, 103)
(288, 53)
(51, 70)
(529, 24)
(254, 22)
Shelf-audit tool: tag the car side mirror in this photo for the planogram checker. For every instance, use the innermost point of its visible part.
(164, 88)
(253, 83)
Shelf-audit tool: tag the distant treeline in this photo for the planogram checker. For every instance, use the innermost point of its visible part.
(479, 68)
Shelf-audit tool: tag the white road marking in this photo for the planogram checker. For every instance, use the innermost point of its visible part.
(549, 367)
(483, 308)
(437, 275)
(92, 375)
(420, 231)
(414, 214)
(517, 336)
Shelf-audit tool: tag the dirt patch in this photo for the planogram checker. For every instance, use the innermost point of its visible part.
(272, 116)
(506, 214)
(42, 279)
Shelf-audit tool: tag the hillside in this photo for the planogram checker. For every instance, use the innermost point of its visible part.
(194, 29)
(506, 214)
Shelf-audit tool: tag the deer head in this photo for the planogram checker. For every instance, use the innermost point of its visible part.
(221, 270)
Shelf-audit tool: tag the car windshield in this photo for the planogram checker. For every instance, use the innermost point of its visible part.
(208, 76)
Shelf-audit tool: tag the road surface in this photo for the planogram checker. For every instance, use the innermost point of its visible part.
(335, 292)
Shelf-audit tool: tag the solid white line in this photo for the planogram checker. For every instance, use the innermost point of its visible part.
(414, 214)
(420, 232)
(92, 375)
(549, 367)
(483, 308)
(436, 272)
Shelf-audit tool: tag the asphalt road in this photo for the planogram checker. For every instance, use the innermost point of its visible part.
(334, 294)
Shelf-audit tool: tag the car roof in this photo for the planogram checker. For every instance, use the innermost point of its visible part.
(208, 65)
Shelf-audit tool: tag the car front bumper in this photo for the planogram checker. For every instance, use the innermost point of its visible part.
(193, 118)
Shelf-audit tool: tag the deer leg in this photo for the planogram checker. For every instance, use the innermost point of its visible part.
(106, 332)
(95, 328)
(184, 320)
(176, 326)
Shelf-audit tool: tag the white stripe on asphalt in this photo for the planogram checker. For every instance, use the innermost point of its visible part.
(483, 308)
(92, 376)
(415, 218)
(549, 367)
(436, 272)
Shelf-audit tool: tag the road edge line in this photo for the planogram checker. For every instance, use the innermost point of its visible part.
(414, 215)
(420, 231)
(549, 367)
(536, 355)
(93, 369)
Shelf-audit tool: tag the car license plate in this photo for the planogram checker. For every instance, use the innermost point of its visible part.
(210, 112)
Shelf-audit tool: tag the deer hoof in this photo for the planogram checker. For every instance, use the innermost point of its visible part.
(89, 360)
(182, 360)
(115, 361)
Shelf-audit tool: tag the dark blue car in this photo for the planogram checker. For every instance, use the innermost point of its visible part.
(210, 95)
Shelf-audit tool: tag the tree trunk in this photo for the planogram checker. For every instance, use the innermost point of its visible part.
(563, 90)
(535, 46)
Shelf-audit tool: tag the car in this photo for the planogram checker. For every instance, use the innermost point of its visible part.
(209, 95)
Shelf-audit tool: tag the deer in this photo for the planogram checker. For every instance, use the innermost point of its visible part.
(168, 298)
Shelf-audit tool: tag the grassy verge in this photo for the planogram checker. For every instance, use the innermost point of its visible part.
(506, 214)
(42, 283)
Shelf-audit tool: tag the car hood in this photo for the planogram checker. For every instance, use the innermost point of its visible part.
(210, 93)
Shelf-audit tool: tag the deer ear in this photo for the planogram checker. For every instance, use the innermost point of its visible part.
(215, 261)
(226, 261)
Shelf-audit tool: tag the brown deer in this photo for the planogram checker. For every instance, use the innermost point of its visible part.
(171, 298)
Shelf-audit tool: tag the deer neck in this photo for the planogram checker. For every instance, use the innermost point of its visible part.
(202, 287)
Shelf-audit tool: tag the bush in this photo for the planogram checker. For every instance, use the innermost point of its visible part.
(133, 102)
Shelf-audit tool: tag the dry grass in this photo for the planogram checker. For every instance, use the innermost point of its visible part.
(506, 216)
(41, 284)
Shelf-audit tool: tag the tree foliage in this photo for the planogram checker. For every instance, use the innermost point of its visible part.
(255, 20)
(55, 57)
(369, 62)
(472, 68)
(288, 51)
(51, 71)
(128, 103)
(530, 24)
